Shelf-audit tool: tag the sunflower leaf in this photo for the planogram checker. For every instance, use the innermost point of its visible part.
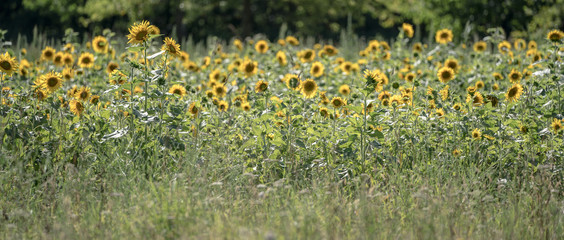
(136, 49)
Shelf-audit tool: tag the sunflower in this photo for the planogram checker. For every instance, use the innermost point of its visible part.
(139, 32)
(216, 76)
(344, 89)
(476, 134)
(261, 46)
(86, 60)
(384, 95)
(523, 128)
(238, 44)
(417, 47)
(261, 86)
(292, 81)
(58, 59)
(515, 76)
(76, 107)
(407, 29)
(306, 55)
(329, 50)
(477, 99)
(309, 88)
(443, 36)
(396, 101)
(504, 47)
(51, 81)
(440, 113)
(171, 47)
(346, 67)
(111, 67)
(184, 56)
(452, 64)
(94, 99)
(479, 84)
(338, 102)
(556, 125)
(178, 90)
(456, 152)
(41, 94)
(222, 106)
(514, 92)
(555, 35)
(154, 30)
(480, 46)
(246, 106)
(249, 68)
(47, 54)
(82, 94)
(194, 109)
(317, 69)
(8, 64)
(497, 76)
(281, 58)
(445, 74)
(292, 41)
(532, 45)
(495, 87)
(219, 90)
(457, 106)
(100, 44)
(493, 100)
(519, 44)
(68, 59)
(410, 77)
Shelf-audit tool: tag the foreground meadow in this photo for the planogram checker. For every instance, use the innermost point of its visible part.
(139, 137)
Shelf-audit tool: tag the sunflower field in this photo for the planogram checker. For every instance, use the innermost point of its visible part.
(143, 136)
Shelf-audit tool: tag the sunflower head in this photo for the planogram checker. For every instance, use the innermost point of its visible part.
(194, 109)
(246, 106)
(219, 90)
(8, 64)
(306, 55)
(443, 36)
(261, 86)
(112, 66)
(222, 106)
(330, 50)
(309, 88)
(51, 81)
(407, 29)
(293, 81)
(504, 47)
(344, 89)
(94, 99)
(86, 60)
(83, 94)
(100, 44)
(139, 32)
(249, 68)
(292, 41)
(261, 46)
(177, 90)
(76, 107)
(479, 84)
(556, 125)
(338, 102)
(514, 92)
(171, 47)
(515, 76)
(480, 46)
(476, 134)
(555, 36)
(445, 74)
(317, 69)
(48, 54)
(281, 58)
(452, 64)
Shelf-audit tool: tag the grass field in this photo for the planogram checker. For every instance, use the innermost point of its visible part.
(138, 136)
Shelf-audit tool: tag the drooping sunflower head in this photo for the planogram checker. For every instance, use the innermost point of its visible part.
(261, 46)
(76, 107)
(480, 46)
(292, 41)
(555, 35)
(94, 99)
(476, 134)
(86, 60)
(443, 36)
(515, 76)
(48, 54)
(497, 76)
(139, 32)
(407, 29)
(345, 89)
(477, 99)
(177, 89)
(219, 90)
(261, 86)
(445, 74)
(100, 44)
(317, 69)
(338, 102)
(309, 88)
(194, 109)
(514, 92)
(111, 67)
(171, 47)
(8, 64)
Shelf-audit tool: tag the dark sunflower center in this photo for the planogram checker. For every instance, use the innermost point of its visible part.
(52, 82)
(308, 55)
(456, 107)
(410, 78)
(514, 76)
(141, 35)
(348, 67)
(309, 86)
(512, 92)
(445, 74)
(315, 69)
(86, 60)
(444, 35)
(475, 135)
(452, 65)
(263, 86)
(58, 59)
(477, 99)
(48, 54)
(177, 91)
(249, 68)
(83, 95)
(329, 50)
(112, 67)
(194, 110)
(262, 47)
(6, 65)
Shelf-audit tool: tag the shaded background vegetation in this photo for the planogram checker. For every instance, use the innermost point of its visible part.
(319, 18)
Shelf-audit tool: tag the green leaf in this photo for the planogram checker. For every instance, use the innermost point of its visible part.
(136, 49)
